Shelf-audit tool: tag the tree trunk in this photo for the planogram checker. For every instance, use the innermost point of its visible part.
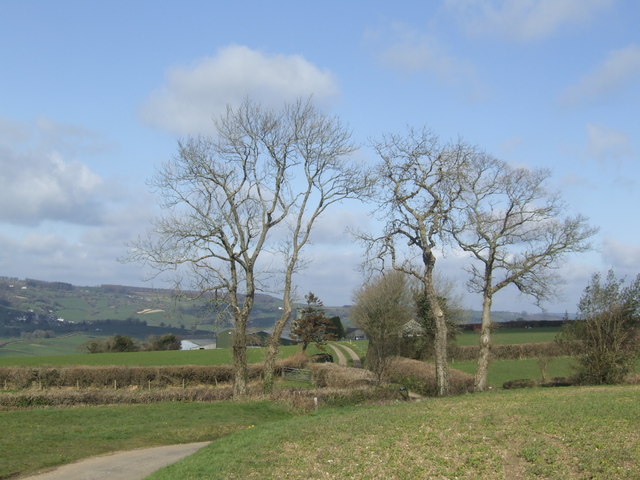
(440, 341)
(240, 362)
(480, 383)
(273, 348)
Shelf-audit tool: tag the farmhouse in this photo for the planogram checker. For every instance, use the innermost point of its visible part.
(197, 344)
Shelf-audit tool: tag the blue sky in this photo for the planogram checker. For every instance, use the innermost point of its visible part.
(94, 95)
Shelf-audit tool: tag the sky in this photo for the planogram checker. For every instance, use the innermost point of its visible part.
(95, 95)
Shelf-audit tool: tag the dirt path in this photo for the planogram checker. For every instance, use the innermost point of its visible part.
(342, 360)
(132, 465)
(354, 356)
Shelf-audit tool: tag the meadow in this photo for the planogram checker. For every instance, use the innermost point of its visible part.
(573, 433)
(218, 356)
(569, 433)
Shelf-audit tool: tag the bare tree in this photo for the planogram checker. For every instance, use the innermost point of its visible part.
(381, 308)
(419, 185)
(257, 187)
(513, 228)
(326, 176)
(225, 195)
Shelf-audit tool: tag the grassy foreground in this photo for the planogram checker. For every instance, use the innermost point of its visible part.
(571, 433)
(39, 438)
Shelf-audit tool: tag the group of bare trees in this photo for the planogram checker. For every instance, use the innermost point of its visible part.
(436, 196)
(250, 195)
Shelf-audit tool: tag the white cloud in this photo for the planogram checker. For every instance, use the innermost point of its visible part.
(410, 51)
(192, 96)
(606, 144)
(38, 182)
(623, 257)
(524, 20)
(620, 69)
(79, 255)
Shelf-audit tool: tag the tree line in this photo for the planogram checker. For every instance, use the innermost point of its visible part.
(124, 343)
(240, 205)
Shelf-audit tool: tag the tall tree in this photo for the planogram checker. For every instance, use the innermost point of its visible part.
(514, 230)
(225, 195)
(419, 187)
(259, 184)
(325, 176)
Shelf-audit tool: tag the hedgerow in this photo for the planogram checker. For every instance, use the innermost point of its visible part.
(119, 376)
(511, 352)
(420, 377)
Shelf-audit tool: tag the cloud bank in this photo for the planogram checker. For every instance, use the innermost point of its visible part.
(192, 96)
(39, 182)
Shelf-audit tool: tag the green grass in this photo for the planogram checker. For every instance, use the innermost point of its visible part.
(219, 356)
(501, 371)
(511, 336)
(44, 346)
(41, 438)
(571, 433)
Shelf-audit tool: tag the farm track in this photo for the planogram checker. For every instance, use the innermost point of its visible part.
(339, 350)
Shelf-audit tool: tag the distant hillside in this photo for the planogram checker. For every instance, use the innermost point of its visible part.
(27, 305)
(30, 305)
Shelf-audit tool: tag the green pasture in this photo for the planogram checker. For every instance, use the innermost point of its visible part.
(218, 356)
(63, 345)
(501, 371)
(511, 336)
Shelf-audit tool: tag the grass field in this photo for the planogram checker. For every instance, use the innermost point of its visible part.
(63, 345)
(501, 371)
(218, 356)
(572, 433)
(41, 438)
(568, 433)
(511, 336)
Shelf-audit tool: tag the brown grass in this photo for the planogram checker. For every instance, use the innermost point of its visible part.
(336, 376)
(119, 376)
(420, 377)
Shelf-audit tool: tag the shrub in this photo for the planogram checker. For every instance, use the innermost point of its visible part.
(297, 360)
(336, 376)
(420, 377)
(168, 341)
(606, 340)
(519, 383)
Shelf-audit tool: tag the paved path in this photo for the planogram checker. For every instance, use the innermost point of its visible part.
(131, 465)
